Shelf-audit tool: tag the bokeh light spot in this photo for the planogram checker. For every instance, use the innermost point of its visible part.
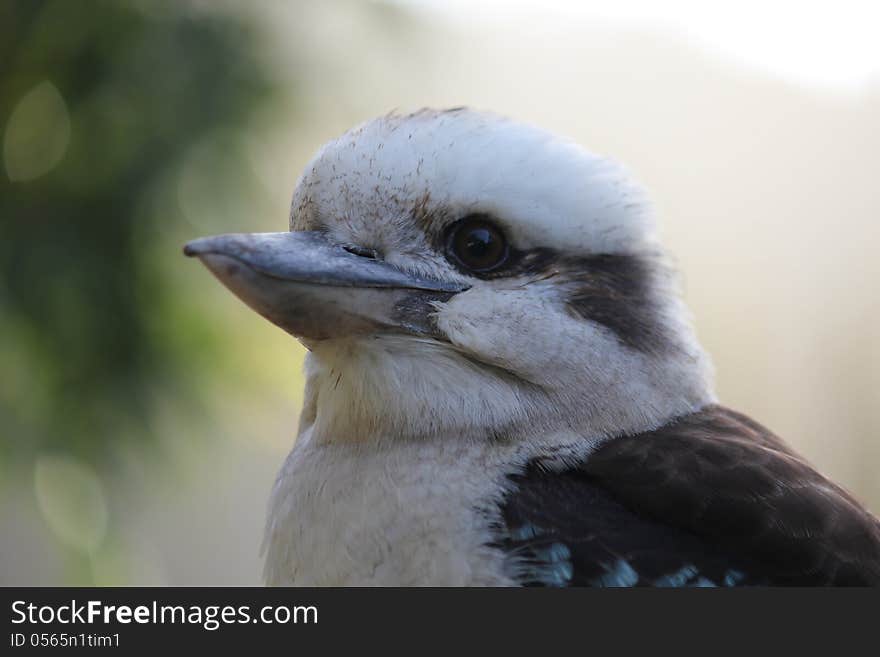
(37, 134)
(71, 499)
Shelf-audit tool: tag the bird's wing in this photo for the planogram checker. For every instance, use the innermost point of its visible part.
(712, 498)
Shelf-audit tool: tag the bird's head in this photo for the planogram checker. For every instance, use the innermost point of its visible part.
(457, 272)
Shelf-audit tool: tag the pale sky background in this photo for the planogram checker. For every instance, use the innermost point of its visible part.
(826, 45)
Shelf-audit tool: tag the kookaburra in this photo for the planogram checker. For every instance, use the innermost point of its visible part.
(503, 386)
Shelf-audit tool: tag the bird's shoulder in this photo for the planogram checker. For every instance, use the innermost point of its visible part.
(709, 499)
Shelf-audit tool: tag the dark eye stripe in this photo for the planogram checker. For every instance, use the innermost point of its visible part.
(618, 291)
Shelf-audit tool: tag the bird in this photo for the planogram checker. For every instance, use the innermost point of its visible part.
(503, 386)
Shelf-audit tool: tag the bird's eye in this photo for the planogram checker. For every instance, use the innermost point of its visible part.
(476, 244)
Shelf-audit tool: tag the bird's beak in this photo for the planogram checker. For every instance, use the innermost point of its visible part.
(315, 289)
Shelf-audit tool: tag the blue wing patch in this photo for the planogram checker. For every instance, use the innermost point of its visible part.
(563, 530)
(618, 574)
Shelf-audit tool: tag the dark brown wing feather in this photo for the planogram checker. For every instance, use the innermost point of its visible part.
(725, 478)
(711, 499)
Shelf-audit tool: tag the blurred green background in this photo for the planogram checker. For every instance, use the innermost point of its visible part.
(128, 129)
(144, 411)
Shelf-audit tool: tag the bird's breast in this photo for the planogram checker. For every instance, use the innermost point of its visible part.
(403, 513)
(411, 514)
